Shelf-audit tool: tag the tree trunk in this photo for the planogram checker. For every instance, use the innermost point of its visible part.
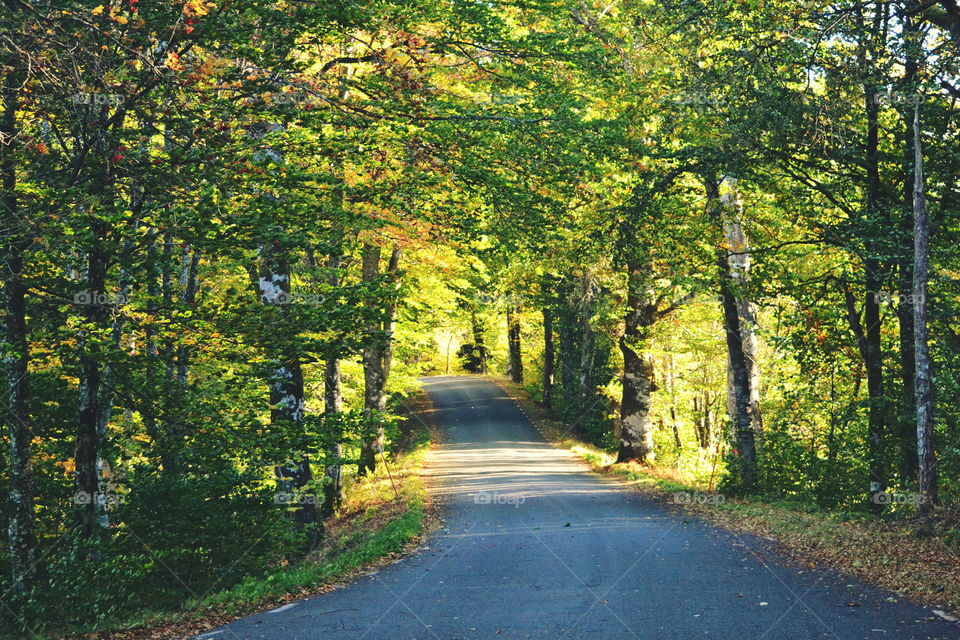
(285, 379)
(513, 341)
(702, 409)
(390, 322)
(478, 343)
(927, 462)
(22, 541)
(374, 398)
(740, 263)
(548, 358)
(377, 358)
(871, 357)
(170, 440)
(156, 395)
(88, 498)
(870, 338)
(672, 388)
(587, 339)
(744, 435)
(636, 429)
(568, 352)
(190, 262)
(333, 405)
(287, 400)
(907, 437)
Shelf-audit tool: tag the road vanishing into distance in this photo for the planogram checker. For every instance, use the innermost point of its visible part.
(535, 546)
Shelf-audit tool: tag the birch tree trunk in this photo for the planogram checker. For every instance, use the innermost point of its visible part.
(587, 339)
(285, 379)
(744, 436)
(906, 421)
(333, 405)
(88, 499)
(927, 462)
(285, 383)
(16, 356)
(740, 263)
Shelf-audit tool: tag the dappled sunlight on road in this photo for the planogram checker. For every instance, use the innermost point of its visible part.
(535, 469)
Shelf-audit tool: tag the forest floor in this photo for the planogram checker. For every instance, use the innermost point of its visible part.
(919, 559)
(383, 518)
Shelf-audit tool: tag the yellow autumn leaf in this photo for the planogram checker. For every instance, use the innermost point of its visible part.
(197, 7)
(173, 61)
(97, 11)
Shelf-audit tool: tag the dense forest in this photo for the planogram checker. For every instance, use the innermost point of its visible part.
(713, 236)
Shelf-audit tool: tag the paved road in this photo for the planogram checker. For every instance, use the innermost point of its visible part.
(534, 546)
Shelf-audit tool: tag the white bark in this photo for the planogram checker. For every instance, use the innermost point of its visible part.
(922, 380)
(740, 264)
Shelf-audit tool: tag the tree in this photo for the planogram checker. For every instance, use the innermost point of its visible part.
(921, 268)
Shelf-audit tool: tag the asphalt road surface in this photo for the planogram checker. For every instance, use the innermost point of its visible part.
(535, 546)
